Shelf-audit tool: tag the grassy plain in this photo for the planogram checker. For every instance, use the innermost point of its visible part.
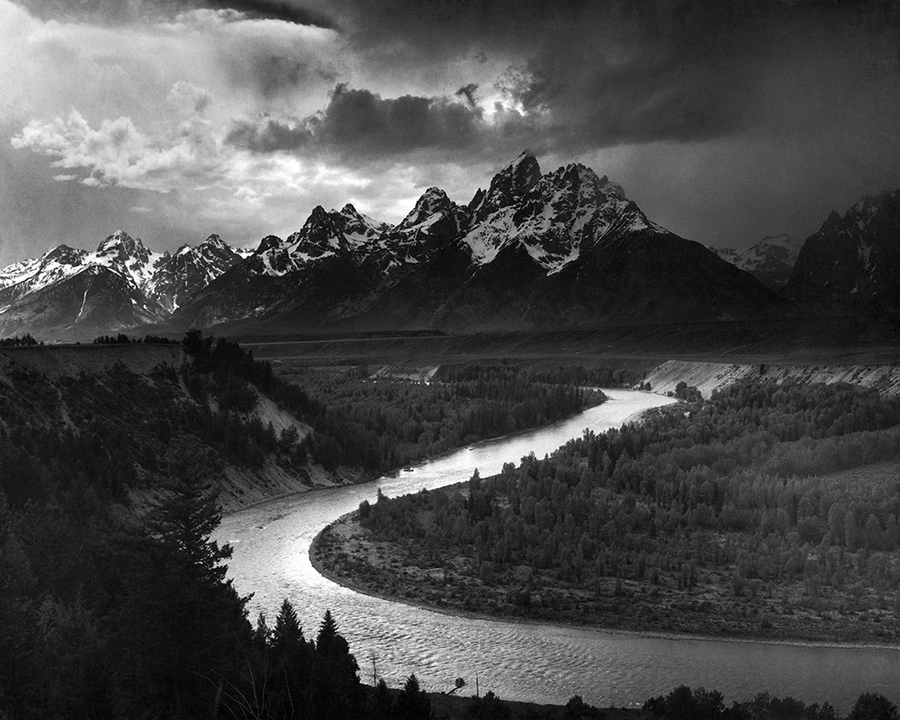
(794, 342)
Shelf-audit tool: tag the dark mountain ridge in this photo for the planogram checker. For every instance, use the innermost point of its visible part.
(851, 265)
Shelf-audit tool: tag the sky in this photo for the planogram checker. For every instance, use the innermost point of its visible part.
(725, 120)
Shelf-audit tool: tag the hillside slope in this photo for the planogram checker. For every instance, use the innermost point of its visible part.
(709, 376)
(114, 420)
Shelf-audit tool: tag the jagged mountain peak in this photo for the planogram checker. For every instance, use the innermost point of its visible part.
(559, 216)
(269, 242)
(430, 203)
(349, 210)
(64, 253)
(784, 240)
(881, 208)
(328, 232)
(853, 261)
(509, 185)
(770, 261)
(870, 204)
(122, 246)
(591, 187)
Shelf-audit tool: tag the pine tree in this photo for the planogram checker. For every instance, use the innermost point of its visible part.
(382, 703)
(184, 625)
(287, 637)
(327, 633)
(338, 692)
(413, 703)
(872, 706)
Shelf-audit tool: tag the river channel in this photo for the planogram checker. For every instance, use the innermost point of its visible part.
(519, 661)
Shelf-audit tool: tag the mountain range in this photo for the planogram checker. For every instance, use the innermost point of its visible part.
(771, 260)
(533, 250)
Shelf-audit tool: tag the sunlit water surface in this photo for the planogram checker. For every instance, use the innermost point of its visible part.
(519, 661)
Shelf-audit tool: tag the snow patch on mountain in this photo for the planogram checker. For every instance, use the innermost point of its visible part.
(560, 215)
(771, 260)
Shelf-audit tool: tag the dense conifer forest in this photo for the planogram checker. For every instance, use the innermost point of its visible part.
(709, 516)
(389, 423)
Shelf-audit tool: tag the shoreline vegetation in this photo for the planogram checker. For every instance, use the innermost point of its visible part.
(360, 477)
(335, 539)
(767, 513)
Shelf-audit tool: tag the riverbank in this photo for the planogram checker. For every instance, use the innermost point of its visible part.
(346, 554)
(241, 490)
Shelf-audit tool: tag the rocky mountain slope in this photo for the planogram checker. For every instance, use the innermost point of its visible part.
(72, 292)
(770, 261)
(124, 415)
(852, 264)
(533, 250)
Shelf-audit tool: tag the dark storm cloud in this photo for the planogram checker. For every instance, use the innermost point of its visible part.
(126, 10)
(468, 92)
(268, 135)
(360, 122)
(608, 72)
(272, 73)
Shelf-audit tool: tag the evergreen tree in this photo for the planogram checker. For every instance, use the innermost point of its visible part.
(872, 706)
(287, 636)
(413, 703)
(183, 629)
(382, 704)
(327, 633)
(489, 707)
(338, 693)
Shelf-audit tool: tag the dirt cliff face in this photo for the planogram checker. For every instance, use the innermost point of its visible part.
(710, 376)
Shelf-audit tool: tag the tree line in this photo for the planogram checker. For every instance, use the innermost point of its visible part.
(383, 424)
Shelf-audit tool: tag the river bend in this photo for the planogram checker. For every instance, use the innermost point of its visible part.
(519, 661)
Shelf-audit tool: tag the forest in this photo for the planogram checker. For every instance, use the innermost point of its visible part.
(388, 423)
(718, 516)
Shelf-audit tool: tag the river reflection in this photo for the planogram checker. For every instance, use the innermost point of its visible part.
(537, 663)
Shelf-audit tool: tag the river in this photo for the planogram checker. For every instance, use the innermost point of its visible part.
(519, 661)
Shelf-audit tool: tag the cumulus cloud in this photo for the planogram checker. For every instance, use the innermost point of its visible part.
(269, 135)
(117, 153)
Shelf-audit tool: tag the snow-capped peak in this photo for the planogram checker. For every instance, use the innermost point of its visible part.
(554, 217)
(122, 246)
(350, 211)
(269, 242)
(771, 260)
(509, 185)
(215, 241)
(433, 201)
(783, 240)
